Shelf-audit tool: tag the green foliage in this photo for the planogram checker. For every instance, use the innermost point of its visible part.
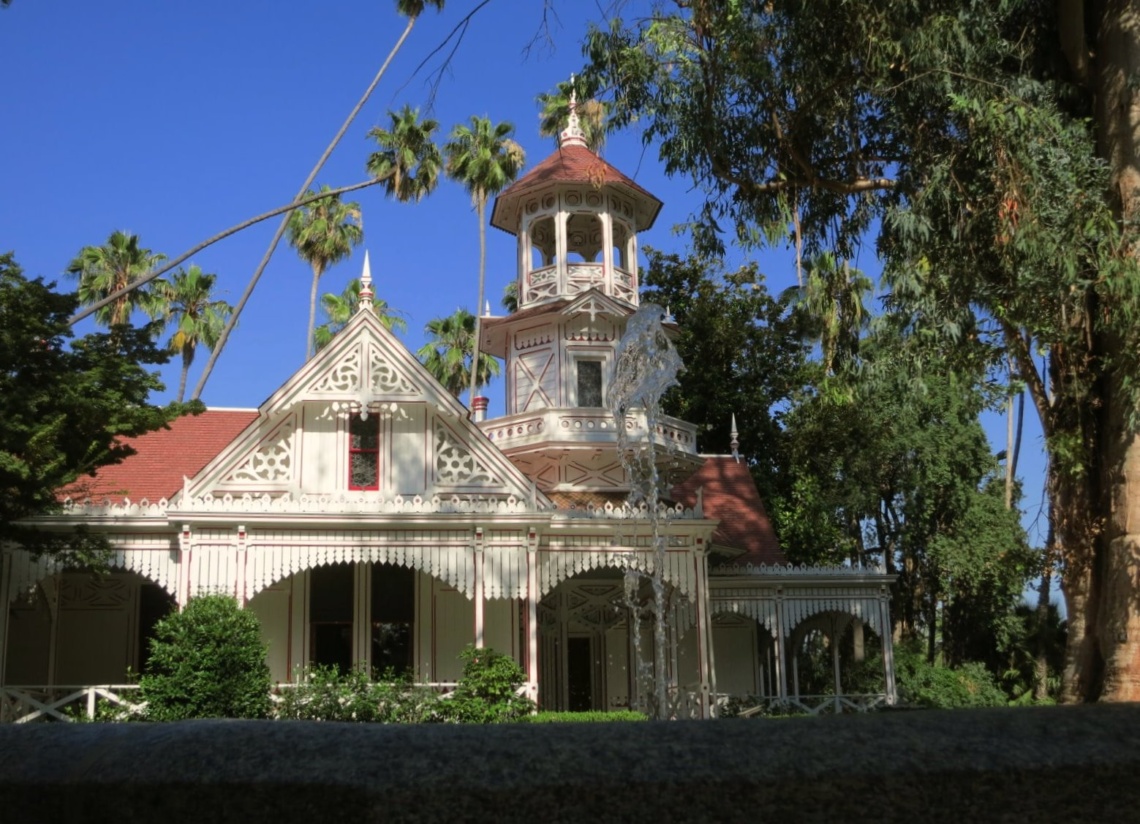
(488, 690)
(207, 661)
(327, 694)
(105, 269)
(590, 717)
(923, 684)
(407, 160)
(64, 404)
(448, 352)
(339, 309)
(744, 356)
(187, 303)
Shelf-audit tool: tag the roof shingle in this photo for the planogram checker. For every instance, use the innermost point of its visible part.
(730, 496)
(163, 457)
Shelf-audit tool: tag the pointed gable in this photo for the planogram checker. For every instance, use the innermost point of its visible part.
(729, 495)
(424, 443)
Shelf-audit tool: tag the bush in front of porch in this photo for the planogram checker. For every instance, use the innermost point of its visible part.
(207, 661)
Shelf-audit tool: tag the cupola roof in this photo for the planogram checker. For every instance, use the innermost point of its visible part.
(572, 163)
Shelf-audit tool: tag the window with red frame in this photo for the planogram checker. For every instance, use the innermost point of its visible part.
(363, 453)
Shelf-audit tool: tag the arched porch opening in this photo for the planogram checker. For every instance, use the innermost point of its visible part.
(76, 627)
(596, 643)
(835, 664)
(393, 620)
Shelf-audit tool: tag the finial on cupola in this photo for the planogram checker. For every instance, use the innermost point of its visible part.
(573, 135)
(735, 443)
(366, 293)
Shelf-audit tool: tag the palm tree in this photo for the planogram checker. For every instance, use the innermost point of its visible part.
(187, 301)
(323, 233)
(339, 309)
(556, 113)
(448, 352)
(484, 159)
(408, 161)
(410, 9)
(105, 269)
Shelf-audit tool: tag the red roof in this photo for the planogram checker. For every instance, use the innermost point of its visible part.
(572, 164)
(163, 457)
(730, 496)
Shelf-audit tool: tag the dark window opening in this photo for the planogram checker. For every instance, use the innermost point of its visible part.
(580, 674)
(364, 453)
(155, 603)
(589, 383)
(330, 616)
(393, 618)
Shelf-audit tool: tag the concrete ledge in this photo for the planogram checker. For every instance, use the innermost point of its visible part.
(1049, 764)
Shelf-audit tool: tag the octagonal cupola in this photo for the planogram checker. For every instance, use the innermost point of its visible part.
(576, 218)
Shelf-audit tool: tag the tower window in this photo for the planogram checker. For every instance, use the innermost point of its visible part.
(363, 453)
(589, 383)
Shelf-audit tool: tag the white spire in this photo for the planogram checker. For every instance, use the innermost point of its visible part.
(573, 135)
(366, 292)
(735, 444)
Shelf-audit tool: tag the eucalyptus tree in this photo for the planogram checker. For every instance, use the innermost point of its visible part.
(484, 159)
(105, 269)
(449, 353)
(187, 302)
(340, 308)
(989, 147)
(323, 233)
(411, 9)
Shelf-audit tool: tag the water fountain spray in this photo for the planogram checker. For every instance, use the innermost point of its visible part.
(645, 365)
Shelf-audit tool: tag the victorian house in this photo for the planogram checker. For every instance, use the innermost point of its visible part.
(368, 519)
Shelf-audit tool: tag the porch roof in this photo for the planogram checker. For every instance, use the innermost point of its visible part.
(729, 495)
(163, 457)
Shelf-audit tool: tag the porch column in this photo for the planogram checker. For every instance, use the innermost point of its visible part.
(183, 590)
(531, 615)
(781, 636)
(835, 635)
(51, 584)
(887, 646)
(5, 608)
(362, 615)
(239, 567)
(477, 552)
(704, 634)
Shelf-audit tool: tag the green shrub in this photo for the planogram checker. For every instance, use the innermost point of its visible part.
(488, 690)
(327, 694)
(207, 661)
(590, 717)
(927, 685)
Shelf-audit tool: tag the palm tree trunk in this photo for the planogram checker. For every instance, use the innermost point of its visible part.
(480, 208)
(92, 308)
(312, 313)
(217, 350)
(187, 359)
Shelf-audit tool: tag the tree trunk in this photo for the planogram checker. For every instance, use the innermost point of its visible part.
(312, 312)
(1102, 577)
(480, 208)
(256, 276)
(187, 359)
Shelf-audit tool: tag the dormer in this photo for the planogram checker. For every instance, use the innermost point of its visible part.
(576, 219)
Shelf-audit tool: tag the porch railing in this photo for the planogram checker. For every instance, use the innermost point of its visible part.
(807, 704)
(21, 704)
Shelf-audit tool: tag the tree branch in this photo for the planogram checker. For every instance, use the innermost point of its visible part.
(87, 311)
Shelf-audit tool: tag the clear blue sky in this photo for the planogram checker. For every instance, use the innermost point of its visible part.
(174, 121)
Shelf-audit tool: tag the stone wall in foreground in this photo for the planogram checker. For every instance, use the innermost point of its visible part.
(1048, 764)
